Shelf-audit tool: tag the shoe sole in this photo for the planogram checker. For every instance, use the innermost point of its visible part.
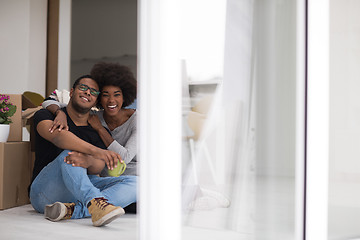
(111, 216)
(55, 212)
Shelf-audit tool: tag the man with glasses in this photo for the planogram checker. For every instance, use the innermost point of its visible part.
(65, 182)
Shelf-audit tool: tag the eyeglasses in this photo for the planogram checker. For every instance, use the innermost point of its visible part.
(93, 91)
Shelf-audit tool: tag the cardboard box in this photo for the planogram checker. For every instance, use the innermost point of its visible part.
(16, 125)
(20, 118)
(15, 173)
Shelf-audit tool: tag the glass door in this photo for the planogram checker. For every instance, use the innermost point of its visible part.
(243, 123)
(222, 98)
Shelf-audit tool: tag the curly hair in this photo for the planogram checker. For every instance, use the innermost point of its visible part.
(114, 74)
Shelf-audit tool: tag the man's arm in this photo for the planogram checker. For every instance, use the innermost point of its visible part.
(68, 140)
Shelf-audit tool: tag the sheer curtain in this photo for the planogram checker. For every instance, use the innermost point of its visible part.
(239, 106)
(223, 156)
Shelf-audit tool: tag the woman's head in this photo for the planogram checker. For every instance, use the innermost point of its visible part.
(114, 74)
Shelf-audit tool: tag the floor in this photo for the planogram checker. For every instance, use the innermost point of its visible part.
(344, 208)
(344, 223)
(241, 221)
(24, 223)
(267, 216)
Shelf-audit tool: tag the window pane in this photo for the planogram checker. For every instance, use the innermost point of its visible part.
(239, 119)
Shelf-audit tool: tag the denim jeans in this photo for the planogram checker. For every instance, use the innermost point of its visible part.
(61, 182)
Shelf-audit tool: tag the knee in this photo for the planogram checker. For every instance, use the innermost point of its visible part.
(36, 207)
(131, 179)
(37, 202)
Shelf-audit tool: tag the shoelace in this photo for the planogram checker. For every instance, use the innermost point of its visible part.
(101, 203)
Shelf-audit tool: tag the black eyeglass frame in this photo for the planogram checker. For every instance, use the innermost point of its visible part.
(84, 87)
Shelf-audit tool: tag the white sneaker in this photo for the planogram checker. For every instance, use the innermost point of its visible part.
(210, 200)
(204, 203)
(223, 201)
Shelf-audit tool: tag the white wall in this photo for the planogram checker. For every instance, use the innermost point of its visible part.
(103, 30)
(23, 45)
(99, 25)
(64, 52)
(344, 166)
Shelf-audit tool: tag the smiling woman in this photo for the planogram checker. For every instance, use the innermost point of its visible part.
(111, 100)
(118, 90)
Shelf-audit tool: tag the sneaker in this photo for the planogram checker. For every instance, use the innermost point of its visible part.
(58, 211)
(203, 203)
(103, 212)
(223, 201)
(209, 200)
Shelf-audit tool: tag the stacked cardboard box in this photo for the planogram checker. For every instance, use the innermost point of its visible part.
(15, 173)
(16, 160)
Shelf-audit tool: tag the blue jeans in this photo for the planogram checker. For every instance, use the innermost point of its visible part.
(61, 182)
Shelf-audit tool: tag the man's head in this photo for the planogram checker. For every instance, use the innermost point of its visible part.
(84, 94)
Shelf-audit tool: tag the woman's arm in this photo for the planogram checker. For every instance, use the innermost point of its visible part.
(129, 150)
(60, 121)
(47, 102)
(105, 136)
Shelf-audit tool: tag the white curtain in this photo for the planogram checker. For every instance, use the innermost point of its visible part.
(239, 107)
(224, 156)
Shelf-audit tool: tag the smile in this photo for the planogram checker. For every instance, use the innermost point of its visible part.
(112, 106)
(85, 99)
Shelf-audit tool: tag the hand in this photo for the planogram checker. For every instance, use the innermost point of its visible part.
(94, 121)
(77, 159)
(110, 158)
(59, 122)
